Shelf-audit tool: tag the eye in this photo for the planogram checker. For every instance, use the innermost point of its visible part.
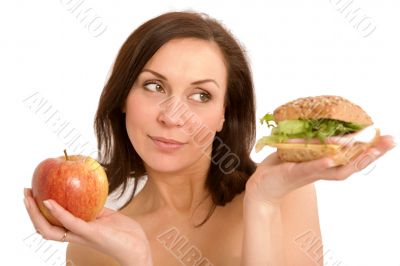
(201, 97)
(153, 86)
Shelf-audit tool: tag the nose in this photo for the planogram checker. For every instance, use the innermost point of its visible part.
(172, 113)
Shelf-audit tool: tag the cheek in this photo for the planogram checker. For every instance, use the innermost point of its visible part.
(203, 126)
(211, 118)
(138, 114)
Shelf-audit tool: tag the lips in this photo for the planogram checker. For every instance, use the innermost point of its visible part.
(165, 140)
(166, 145)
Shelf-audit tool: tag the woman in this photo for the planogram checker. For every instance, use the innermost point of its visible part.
(179, 109)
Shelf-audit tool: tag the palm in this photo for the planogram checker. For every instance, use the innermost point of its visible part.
(281, 178)
(273, 178)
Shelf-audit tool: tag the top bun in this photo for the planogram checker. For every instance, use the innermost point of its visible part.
(323, 107)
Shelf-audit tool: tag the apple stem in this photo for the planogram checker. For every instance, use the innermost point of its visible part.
(66, 155)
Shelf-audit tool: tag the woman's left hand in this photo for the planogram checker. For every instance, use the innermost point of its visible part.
(273, 179)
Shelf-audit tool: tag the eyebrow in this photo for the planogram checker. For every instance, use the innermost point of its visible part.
(193, 83)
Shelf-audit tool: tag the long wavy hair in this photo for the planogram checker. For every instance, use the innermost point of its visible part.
(116, 152)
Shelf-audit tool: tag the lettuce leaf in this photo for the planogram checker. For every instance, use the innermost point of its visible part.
(304, 129)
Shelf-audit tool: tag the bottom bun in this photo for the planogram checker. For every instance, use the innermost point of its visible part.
(341, 155)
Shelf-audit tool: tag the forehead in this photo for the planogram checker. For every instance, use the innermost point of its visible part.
(190, 58)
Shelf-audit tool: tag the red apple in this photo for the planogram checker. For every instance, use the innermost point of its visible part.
(78, 183)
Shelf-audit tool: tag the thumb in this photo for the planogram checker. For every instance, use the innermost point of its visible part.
(105, 212)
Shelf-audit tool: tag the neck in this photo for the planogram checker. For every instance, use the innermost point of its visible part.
(181, 193)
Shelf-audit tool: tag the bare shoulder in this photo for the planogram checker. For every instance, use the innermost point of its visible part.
(79, 255)
(234, 209)
(300, 220)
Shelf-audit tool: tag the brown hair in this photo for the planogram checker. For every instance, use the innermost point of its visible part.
(116, 152)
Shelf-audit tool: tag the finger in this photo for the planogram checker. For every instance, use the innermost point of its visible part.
(384, 144)
(272, 159)
(41, 225)
(38, 220)
(355, 165)
(77, 226)
(28, 192)
(379, 148)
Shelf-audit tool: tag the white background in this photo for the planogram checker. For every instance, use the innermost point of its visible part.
(296, 48)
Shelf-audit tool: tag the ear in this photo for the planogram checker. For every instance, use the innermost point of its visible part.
(221, 124)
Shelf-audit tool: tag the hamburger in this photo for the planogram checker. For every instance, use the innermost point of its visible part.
(321, 126)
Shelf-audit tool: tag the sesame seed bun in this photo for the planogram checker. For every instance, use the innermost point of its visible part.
(326, 106)
(322, 107)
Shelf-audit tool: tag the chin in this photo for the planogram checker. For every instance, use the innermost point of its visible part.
(164, 165)
(170, 163)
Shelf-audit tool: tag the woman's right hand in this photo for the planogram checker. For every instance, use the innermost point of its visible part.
(111, 233)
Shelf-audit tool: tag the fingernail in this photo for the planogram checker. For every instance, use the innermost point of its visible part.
(26, 202)
(47, 204)
(25, 192)
(376, 153)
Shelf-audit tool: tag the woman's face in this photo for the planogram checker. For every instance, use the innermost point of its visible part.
(179, 96)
